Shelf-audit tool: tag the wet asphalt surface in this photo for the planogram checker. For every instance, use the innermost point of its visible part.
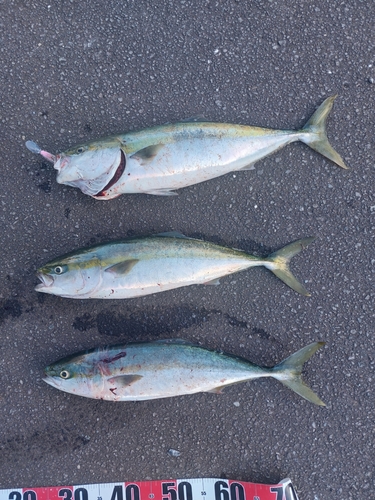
(75, 71)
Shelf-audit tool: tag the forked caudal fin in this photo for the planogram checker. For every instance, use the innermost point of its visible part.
(317, 137)
(289, 372)
(278, 263)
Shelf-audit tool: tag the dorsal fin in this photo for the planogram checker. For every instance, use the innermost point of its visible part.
(174, 234)
(173, 341)
(195, 119)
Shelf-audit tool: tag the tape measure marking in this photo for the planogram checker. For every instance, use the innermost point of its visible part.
(170, 489)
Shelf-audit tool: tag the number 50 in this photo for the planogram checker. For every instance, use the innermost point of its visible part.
(183, 492)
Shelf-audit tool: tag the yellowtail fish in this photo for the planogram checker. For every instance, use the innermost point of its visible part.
(162, 159)
(162, 369)
(141, 266)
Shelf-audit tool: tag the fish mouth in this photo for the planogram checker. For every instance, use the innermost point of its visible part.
(46, 281)
(118, 173)
(59, 162)
(48, 379)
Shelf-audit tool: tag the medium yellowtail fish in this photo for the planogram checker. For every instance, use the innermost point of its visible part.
(162, 369)
(141, 266)
(162, 159)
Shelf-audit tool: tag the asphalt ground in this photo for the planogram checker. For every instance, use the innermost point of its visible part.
(74, 71)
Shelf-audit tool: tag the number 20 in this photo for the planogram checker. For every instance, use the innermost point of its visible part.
(27, 495)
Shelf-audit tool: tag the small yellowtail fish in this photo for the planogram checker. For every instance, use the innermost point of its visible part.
(141, 266)
(162, 369)
(161, 159)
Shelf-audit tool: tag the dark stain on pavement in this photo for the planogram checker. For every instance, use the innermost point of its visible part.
(45, 186)
(85, 322)
(261, 333)
(40, 443)
(236, 322)
(155, 322)
(9, 308)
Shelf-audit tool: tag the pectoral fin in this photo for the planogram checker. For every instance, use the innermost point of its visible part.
(124, 380)
(147, 154)
(122, 268)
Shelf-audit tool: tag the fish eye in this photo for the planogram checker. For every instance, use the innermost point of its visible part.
(58, 270)
(80, 150)
(64, 374)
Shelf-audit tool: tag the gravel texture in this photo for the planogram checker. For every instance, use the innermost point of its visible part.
(74, 71)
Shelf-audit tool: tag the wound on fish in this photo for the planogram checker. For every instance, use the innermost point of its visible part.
(115, 358)
(120, 170)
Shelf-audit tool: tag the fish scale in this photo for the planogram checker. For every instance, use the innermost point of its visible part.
(162, 159)
(141, 266)
(167, 368)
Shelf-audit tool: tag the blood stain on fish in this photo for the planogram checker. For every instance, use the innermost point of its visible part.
(115, 358)
(120, 170)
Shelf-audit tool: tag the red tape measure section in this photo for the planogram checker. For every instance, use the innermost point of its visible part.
(169, 489)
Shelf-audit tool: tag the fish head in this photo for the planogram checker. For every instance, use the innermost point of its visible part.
(93, 167)
(75, 374)
(75, 275)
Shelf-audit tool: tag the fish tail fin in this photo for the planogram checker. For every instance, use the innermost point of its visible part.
(316, 136)
(278, 263)
(289, 372)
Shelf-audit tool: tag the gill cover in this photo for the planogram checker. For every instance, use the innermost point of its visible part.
(91, 170)
(70, 277)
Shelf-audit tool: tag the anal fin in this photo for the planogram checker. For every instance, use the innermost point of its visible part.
(214, 282)
(251, 166)
(217, 390)
(161, 192)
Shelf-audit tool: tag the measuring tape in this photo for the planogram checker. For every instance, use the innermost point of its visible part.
(169, 489)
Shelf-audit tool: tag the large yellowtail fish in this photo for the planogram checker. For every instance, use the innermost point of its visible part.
(140, 266)
(162, 369)
(162, 159)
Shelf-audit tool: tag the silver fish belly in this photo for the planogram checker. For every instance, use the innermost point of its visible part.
(162, 159)
(161, 369)
(142, 266)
